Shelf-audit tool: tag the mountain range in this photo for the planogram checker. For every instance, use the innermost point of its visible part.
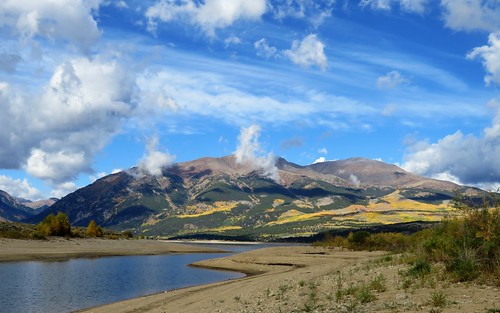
(221, 196)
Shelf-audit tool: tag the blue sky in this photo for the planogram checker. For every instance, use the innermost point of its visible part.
(89, 87)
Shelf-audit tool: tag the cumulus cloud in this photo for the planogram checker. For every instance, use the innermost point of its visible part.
(69, 20)
(468, 15)
(19, 188)
(69, 121)
(263, 49)
(208, 15)
(154, 160)
(468, 159)
(323, 151)
(308, 52)
(250, 153)
(416, 6)
(391, 80)
(319, 160)
(490, 56)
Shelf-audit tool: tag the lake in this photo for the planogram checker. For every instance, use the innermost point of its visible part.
(53, 287)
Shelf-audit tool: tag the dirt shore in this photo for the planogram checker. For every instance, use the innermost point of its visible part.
(60, 249)
(314, 279)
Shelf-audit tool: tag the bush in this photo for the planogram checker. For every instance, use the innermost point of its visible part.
(420, 268)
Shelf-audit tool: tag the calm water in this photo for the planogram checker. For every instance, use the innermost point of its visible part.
(52, 287)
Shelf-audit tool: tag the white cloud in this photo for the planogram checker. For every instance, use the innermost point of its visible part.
(154, 161)
(468, 15)
(391, 80)
(468, 159)
(56, 166)
(491, 57)
(69, 20)
(19, 188)
(323, 151)
(319, 160)
(69, 121)
(308, 52)
(376, 4)
(208, 94)
(416, 6)
(249, 152)
(263, 49)
(313, 11)
(209, 15)
(63, 189)
(232, 40)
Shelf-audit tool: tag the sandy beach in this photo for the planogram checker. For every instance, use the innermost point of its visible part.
(313, 279)
(60, 249)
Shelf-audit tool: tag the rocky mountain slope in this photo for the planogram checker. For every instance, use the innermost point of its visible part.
(221, 196)
(11, 209)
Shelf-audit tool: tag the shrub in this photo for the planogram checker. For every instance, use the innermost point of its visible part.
(420, 268)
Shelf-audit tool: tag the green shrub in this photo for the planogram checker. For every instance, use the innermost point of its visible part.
(420, 268)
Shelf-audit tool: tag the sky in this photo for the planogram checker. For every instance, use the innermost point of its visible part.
(92, 87)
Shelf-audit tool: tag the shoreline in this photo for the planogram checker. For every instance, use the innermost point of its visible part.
(311, 279)
(262, 266)
(59, 249)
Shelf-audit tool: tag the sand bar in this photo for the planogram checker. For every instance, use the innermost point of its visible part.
(60, 249)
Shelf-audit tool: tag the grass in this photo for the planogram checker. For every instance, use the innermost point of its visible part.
(438, 299)
(378, 283)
